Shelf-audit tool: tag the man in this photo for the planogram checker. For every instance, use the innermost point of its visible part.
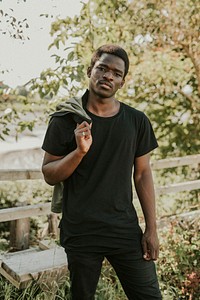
(96, 161)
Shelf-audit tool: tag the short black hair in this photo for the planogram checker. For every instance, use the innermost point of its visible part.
(114, 50)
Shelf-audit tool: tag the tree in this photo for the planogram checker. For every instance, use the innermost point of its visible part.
(164, 50)
(12, 26)
(17, 106)
(10, 117)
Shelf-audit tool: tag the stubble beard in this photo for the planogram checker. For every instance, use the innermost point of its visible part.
(103, 94)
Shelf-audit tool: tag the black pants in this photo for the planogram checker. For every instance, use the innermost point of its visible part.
(137, 276)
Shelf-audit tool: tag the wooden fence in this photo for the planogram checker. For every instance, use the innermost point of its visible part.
(20, 215)
(28, 211)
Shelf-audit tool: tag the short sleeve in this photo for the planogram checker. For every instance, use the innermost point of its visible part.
(59, 138)
(146, 140)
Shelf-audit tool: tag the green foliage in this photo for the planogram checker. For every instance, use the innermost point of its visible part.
(18, 193)
(164, 77)
(178, 266)
(19, 113)
(179, 202)
(29, 192)
(163, 43)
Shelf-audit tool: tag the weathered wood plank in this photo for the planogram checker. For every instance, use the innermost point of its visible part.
(23, 266)
(178, 187)
(11, 263)
(176, 162)
(21, 263)
(47, 244)
(18, 283)
(15, 213)
(163, 222)
(20, 174)
(10, 278)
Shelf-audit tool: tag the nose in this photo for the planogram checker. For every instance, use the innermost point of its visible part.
(108, 75)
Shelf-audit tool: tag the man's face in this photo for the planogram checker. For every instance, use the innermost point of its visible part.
(107, 75)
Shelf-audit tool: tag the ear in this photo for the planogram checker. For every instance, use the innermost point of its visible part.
(122, 83)
(89, 70)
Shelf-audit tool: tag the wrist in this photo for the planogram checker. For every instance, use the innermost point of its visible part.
(151, 227)
(80, 153)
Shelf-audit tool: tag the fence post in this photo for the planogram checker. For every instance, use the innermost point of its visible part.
(53, 225)
(19, 234)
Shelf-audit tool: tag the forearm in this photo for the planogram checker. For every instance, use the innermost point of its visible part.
(145, 190)
(62, 168)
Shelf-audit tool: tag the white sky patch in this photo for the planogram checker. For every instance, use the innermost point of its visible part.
(25, 59)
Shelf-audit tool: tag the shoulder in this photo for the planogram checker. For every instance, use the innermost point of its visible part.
(59, 136)
(129, 110)
(65, 121)
(61, 127)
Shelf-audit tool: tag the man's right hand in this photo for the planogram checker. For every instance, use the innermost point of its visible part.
(83, 137)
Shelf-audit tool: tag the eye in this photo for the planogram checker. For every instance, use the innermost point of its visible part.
(118, 74)
(101, 69)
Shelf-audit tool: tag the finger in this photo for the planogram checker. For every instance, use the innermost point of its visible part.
(156, 254)
(82, 130)
(84, 133)
(147, 255)
(82, 125)
(145, 250)
(153, 254)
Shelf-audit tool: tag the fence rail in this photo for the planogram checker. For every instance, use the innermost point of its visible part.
(16, 213)
(176, 162)
(20, 174)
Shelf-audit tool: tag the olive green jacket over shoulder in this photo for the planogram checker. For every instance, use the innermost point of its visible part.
(73, 106)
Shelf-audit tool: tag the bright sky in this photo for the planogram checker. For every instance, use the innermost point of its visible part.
(24, 60)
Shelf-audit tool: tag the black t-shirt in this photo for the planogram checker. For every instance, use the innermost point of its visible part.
(97, 207)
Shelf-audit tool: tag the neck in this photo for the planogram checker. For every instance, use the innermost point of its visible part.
(103, 107)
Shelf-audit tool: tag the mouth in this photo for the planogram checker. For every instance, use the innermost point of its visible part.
(105, 84)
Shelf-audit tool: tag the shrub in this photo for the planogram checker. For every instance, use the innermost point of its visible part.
(178, 266)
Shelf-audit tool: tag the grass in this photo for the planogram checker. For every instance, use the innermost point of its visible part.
(109, 288)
